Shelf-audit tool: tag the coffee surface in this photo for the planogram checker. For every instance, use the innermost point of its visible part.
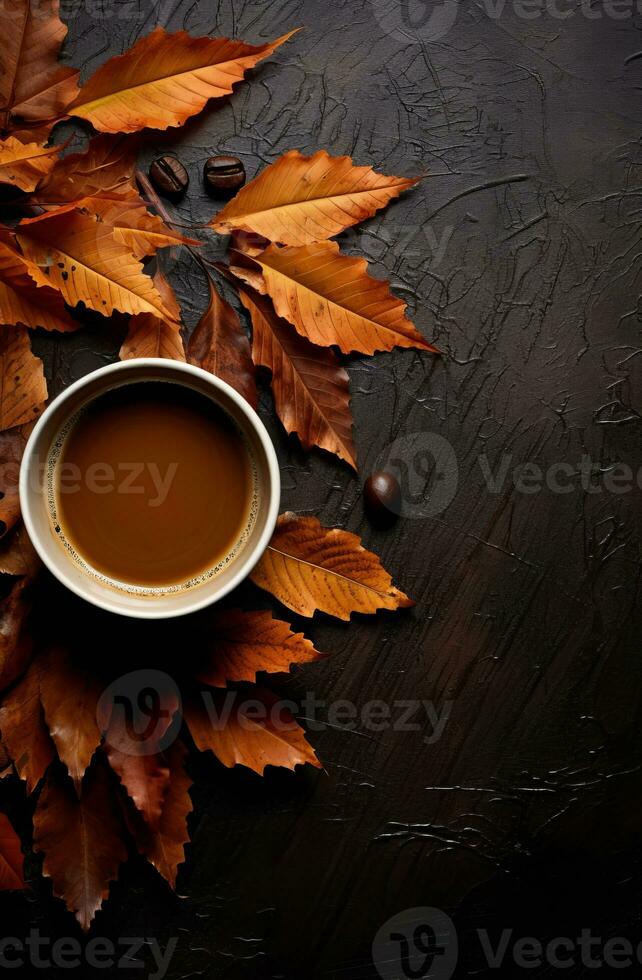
(153, 484)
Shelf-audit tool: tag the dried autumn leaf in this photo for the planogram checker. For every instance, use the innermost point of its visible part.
(300, 200)
(242, 644)
(219, 345)
(24, 732)
(309, 567)
(144, 776)
(250, 728)
(23, 389)
(24, 165)
(34, 88)
(164, 79)
(311, 389)
(153, 336)
(80, 257)
(331, 300)
(107, 166)
(70, 695)
(11, 858)
(17, 554)
(12, 445)
(82, 839)
(164, 846)
(21, 300)
(141, 232)
(16, 643)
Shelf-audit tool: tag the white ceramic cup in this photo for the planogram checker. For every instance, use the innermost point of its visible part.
(36, 495)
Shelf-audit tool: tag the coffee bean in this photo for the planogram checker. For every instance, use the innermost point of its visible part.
(223, 175)
(169, 176)
(382, 496)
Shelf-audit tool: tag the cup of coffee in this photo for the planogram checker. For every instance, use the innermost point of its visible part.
(150, 488)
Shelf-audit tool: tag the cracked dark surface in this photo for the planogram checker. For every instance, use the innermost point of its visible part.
(525, 268)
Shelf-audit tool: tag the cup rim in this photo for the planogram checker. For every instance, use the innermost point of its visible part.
(246, 562)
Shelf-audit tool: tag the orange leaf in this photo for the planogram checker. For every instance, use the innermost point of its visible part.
(300, 200)
(219, 345)
(11, 859)
(164, 846)
(16, 643)
(23, 165)
(164, 79)
(106, 166)
(331, 300)
(141, 232)
(34, 88)
(23, 389)
(309, 567)
(82, 840)
(24, 732)
(245, 643)
(311, 391)
(70, 695)
(250, 728)
(21, 300)
(153, 336)
(81, 257)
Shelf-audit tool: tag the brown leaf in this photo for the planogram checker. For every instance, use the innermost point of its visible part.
(17, 554)
(24, 165)
(243, 644)
(145, 778)
(24, 732)
(250, 728)
(12, 445)
(141, 232)
(34, 88)
(11, 858)
(311, 389)
(107, 166)
(164, 79)
(70, 695)
(21, 300)
(80, 257)
(164, 846)
(219, 345)
(16, 643)
(331, 300)
(309, 567)
(153, 336)
(300, 200)
(82, 839)
(23, 389)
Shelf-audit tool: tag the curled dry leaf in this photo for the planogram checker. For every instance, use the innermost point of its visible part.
(34, 88)
(219, 345)
(164, 845)
(80, 257)
(16, 643)
(23, 389)
(11, 858)
(24, 732)
(309, 567)
(300, 200)
(70, 693)
(81, 838)
(23, 165)
(107, 166)
(141, 232)
(242, 644)
(164, 79)
(311, 389)
(331, 300)
(250, 728)
(21, 300)
(153, 336)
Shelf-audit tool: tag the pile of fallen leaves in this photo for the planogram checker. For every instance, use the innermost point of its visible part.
(78, 230)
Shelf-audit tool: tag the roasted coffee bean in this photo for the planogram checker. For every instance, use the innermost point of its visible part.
(169, 176)
(382, 496)
(223, 175)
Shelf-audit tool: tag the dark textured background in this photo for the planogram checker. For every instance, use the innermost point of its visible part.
(527, 813)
